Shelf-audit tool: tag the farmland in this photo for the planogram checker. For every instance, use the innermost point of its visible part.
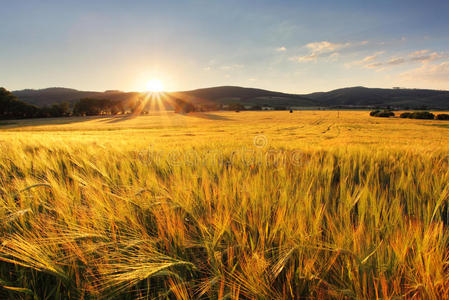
(249, 205)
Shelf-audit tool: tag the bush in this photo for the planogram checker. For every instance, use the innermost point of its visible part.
(374, 112)
(422, 115)
(405, 115)
(385, 114)
(442, 117)
(237, 107)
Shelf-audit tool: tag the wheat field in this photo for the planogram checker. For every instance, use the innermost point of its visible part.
(249, 205)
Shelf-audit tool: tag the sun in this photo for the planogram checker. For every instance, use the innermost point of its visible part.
(155, 86)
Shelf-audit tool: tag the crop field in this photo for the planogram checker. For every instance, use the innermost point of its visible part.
(249, 205)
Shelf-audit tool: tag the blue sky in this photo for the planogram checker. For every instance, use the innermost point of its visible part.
(291, 46)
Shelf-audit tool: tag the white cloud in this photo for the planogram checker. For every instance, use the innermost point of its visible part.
(424, 56)
(325, 49)
(305, 58)
(374, 65)
(367, 61)
(391, 62)
(429, 72)
(395, 61)
(372, 57)
(420, 56)
(419, 53)
(334, 56)
(281, 49)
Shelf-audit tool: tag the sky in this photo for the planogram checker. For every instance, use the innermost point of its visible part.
(285, 45)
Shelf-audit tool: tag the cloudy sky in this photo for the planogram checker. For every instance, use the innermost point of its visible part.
(292, 46)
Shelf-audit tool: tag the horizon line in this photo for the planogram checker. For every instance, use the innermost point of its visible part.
(221, 86)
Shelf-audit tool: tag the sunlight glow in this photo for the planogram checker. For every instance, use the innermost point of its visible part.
(155, 85)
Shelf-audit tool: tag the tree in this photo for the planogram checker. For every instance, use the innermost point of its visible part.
(86, 107)
(236, 107)
(442, 117)
(65, 108)
(382, 114)
(12, 107)
(59, 110)
(182, 106)
(422, 115)
(93, 107)
(115, 109)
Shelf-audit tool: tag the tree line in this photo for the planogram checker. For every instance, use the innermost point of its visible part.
(410, 115)
(95, 107)
(13, 108)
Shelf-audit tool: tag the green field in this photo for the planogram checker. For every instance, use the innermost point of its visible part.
(249, 205)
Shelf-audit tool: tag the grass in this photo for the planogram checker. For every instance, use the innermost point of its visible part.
(255, 205)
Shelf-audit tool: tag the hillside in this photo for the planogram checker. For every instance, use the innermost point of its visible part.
(215, 95)
(346, 97)
(246, 96)
(57, 95)
(361, 96)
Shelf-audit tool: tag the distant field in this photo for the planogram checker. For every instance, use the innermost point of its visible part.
(282, 129)
(249, 205)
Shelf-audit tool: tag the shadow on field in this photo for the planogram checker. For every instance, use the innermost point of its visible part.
(21, 123)
(118, 119)
(208, 116)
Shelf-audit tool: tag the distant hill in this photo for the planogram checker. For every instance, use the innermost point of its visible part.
(215, 95)
(361, 96)
(246, 96)
(346, 97)
(57, 95)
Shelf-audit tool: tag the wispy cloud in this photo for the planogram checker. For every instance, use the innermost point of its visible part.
(374, 65)
(281, 49)
(370, 58)
(305, 58)
(429, 73)
(420, 56)
(395, 61)
(325, 49)
(367, 61)
(425, 56)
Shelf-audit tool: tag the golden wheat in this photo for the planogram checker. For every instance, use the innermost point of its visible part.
(255, 205)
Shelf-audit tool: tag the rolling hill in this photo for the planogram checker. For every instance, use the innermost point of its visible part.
(361, 96)
(352, 97)
(245, 96)
(57, 95)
